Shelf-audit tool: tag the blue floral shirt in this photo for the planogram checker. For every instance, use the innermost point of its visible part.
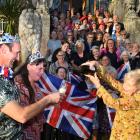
(9, 128)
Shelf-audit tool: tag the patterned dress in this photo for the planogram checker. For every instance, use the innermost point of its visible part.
(126, 125)
(34, 127)
(9, 128)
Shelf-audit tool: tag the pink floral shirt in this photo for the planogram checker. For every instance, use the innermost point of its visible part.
(32, 128)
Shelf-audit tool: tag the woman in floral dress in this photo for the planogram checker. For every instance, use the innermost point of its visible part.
(127, 120)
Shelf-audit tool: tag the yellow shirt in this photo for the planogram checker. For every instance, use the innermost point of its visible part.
(126, 125)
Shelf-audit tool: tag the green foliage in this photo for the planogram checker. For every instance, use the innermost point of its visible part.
(10, 11)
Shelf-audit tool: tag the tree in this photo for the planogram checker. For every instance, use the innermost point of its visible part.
(10, 11)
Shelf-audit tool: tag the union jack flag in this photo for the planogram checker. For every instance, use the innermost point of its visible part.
(75, 79)
(111, 115)
(75, 114)
(122, 70)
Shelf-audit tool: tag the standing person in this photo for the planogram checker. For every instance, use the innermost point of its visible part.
(59, 62)
(135, 61)
(111, 53)
(127, 120)
(52, 45)
(12, 114)
(89, 41)
(80, 56)
(26, 78)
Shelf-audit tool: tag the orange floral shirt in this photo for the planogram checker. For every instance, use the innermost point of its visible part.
(126, 125)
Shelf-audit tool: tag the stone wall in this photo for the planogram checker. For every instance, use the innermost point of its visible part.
(132, 26)
(128, 10)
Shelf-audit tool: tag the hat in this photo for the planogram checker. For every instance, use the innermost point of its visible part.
(83, 18)
(35, 56)
(77, 21)
(82, 27)
(7, 38)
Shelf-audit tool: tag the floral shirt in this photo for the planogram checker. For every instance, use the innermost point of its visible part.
(127, 120)
(32, 128)
(9, 128)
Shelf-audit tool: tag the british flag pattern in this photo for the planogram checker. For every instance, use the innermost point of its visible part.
(76, 114)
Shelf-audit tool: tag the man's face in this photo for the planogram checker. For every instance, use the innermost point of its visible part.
(12, 55)
(90, 38)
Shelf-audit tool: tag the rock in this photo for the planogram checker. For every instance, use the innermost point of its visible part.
(34, 29)
(30, 30)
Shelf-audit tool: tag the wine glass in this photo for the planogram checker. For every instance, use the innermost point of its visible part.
(63, 88)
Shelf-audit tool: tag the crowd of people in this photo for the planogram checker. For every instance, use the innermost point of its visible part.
(99, 40)
(85, 37)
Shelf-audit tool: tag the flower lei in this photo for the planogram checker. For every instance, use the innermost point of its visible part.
(7, 73)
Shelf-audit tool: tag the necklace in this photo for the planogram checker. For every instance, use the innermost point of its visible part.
(7, 73)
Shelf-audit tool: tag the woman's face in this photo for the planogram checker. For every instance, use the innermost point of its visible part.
(105, 61)
(79, 47)
(118, 28)
(106, 36)
(135, 48)
(65, 47)
(35, 71)
(54, 35)
(60, 36)
(60, 56)
(102, 27)
(61, 73)
(110, 45)
(99, 37)
(94, 26)
(96, 52)
(129, 47)
(125, 57)
(129, 86)
(85, 22)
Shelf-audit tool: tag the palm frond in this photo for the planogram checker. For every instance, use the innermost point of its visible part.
(10, 11)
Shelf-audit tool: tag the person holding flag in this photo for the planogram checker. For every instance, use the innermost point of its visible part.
(26, 78)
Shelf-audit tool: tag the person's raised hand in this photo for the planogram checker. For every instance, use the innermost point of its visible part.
(94, 79)
(91, 63)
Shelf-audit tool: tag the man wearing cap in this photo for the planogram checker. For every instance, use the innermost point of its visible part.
(12, 114)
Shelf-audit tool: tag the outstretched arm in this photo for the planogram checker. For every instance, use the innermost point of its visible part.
(102, 74)
(23, 114)
(126, 103)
